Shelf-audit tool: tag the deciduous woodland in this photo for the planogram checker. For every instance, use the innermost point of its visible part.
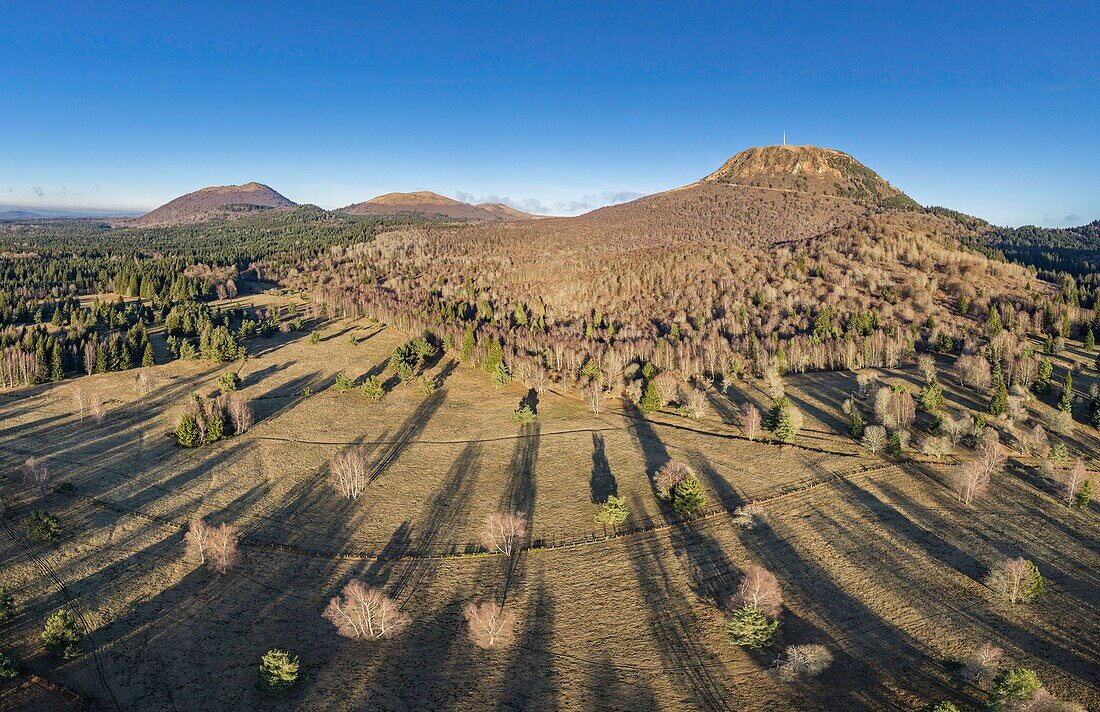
(780, 439)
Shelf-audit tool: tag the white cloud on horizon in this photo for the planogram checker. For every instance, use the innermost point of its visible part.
(561, 207)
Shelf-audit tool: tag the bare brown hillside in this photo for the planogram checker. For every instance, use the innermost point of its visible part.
(215, 202)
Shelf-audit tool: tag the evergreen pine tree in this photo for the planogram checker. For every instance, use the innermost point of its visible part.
(147, 356)
(856, 428)
(57, 365)
(187, 432)
(651, 400)
(998, 402)
(1083, 496)
(215, 426)
(1065, 403)
(688, 497)
(278, 671)
(1090, 340)
(1043, 376)
(495, 357)
(750, 628)
(931, 396)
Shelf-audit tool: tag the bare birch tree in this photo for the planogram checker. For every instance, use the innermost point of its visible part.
(759, 588)
(361, 612)
(504, 533)
(750, 420)
(197, 540)
(36, 474)
(350, 472)
(1074, 480)
(491, 625)
(223, 553)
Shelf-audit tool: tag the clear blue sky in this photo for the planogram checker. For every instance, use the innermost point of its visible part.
(992, 108)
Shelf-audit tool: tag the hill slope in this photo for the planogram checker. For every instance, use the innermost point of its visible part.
(431, 204)
(799, 266)
(213, 203)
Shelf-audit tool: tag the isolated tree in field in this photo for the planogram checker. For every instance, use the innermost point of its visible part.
(874, 438)
(504, 533)
(365, 613)
(523, 415)
(1011, 686)
(43, 526)
(750, 420)
(783, 420)
(491, 625)
(760, 589)
(62, 634)
(982, 663)
(748, 627)
(1017, 580)
(278, 671)
(350, 472)
(96, 409)
(1074, 481)
(36, 474)
(223, 553)
(801, 662)
(197, 540)
(613, 511)
(345, 383)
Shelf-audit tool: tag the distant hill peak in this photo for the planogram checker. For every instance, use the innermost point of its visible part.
(434, 205)
(809, 169)
(418, 197)
(215, 202)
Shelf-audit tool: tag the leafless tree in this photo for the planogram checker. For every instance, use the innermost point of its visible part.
(144, 382)
(1059, 421)
(1042, 700)
(1037, 442)
(970, 481)
(197, 540)
(954, 427)
(365, 613)
(748, 515)
(36, 474)
(936, 446)
(671, 474)
(803, 661)
(1074, 480)
(666, 386)
(884, 413)
(96, 409)
(594, 395)
(223, 553)
(350, 471)
(1008, 579)
(750, 420)
(874, 438)
(540, 379)
(982, 663)
(990, 454)
(491, 625)
(759, 588)
(238, 410)
(504, 532)
(695, 401)
(80, 400)
(926, 364)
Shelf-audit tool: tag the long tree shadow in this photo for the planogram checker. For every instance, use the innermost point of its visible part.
(529, 676)
(412, 426)
(674, 626)
(603, 483)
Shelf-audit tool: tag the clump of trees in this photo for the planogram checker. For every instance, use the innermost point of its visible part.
(373, 388)
(278, 671)
(350, 472)
(1017, 580)
(208, 421)
(676, 484)
(365, 613)
(215, 547)
(972, 478)
(43, 526)
(62, 634)
(755, 608)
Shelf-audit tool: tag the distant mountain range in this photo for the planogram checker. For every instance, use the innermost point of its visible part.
(435, 205)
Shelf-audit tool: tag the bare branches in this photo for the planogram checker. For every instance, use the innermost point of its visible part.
(350, 472)
(874, 438)
(982, 663)
(1016, 580)
(239, 411)
(750, 420)
(365, 613)
(197, 540)
(36, 474)
(491, 626)
(223, 553)
(504, 533)
(1074, 480)
(970, 481)
(671, 474)
(761, 589)
(803, 662)
(695, 402)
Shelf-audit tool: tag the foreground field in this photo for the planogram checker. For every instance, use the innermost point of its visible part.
(877, 559)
